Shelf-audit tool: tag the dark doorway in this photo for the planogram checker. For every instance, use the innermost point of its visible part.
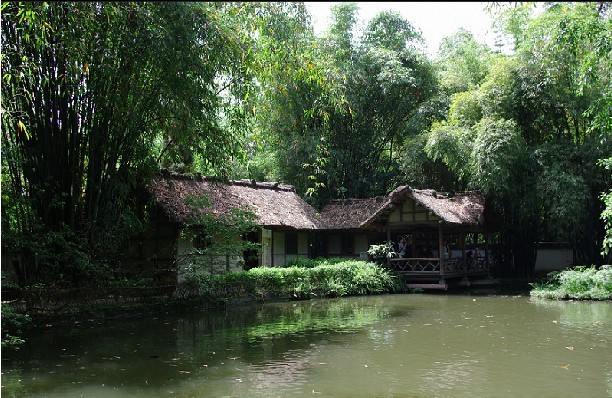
(251, 254)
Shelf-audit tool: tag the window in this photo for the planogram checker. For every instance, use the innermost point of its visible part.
(291, 243)
(347, 244)
(201, 241)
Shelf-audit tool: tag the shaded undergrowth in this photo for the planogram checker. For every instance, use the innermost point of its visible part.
(576, 283)
(302, 279)
(327, 279)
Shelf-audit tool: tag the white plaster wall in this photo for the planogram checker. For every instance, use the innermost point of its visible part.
(207, 264)
(361, 244)
(278, 250)
(553, 259)
(266, 247)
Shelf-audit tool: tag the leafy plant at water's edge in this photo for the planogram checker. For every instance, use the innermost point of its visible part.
(382, 252)
(577, 283)
(350, 277)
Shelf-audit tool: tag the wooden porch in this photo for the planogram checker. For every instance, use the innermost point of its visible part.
(436, 236)
(436, 267)
(434, 272)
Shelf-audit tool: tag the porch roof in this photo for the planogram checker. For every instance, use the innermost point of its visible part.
(351, 213)
(460, 208)
(277, 205)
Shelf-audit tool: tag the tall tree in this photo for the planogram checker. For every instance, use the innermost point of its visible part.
(462, 61)
(384, 83)
(93, 95)
(461, 66)
(373, 85)
(553, 93)
(567, 75)
(287, 106)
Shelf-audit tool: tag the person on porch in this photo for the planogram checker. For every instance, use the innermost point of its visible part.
(402, 247)
(447, 250)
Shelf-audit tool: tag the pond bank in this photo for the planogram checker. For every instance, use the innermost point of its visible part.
(344, 278)
(447, 345)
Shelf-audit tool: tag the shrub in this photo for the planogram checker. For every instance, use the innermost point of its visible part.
(348, 277)
(13, 323)
(382, 252)
(313, 262)
(577, 283)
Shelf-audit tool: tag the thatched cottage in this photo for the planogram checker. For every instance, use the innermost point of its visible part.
(288, 227)
(429, 222)
(284, 222)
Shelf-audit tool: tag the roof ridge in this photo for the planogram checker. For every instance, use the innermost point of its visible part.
(238, 182)
(263, 184)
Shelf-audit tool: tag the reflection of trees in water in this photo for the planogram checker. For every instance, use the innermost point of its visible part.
(288, 372)
(583, 314)
(339, 317)
(272, 341)
(275, 344)
(265, 333)
(278, 348)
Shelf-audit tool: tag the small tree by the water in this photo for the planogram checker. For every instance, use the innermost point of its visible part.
(380, 253)
(220, 238)
(577, 283)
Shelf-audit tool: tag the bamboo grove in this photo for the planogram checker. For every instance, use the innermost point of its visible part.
(99, 96)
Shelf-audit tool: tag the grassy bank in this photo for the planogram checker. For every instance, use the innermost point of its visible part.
(577, 283)
(302, 279)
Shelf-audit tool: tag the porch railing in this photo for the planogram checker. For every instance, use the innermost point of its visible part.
(423, 264)
(432, 264)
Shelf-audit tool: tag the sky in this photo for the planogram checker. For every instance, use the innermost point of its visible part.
(436, 20)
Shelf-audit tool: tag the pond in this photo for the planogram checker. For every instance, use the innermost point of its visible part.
(403, 345)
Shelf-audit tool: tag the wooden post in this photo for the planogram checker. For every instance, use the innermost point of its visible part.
(486, 253)
(441, 250)
(272, 248)
(463, 259)
(389, 240)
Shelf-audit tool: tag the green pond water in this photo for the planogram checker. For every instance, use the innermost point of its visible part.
(404, 345)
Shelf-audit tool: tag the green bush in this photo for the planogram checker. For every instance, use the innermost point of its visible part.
(313, 262)
(348, 277)
(13, 323)
(577, 283)
(382, 252)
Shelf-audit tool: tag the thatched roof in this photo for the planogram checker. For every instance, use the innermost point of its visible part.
(274, 204)
(465, 208)
(351, 213)
(462, 208)
(279, 206)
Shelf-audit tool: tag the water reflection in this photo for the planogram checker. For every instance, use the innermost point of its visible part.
(339, 316)
(452, 375)
(158, 351)
(578, 314)
(381, 346)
